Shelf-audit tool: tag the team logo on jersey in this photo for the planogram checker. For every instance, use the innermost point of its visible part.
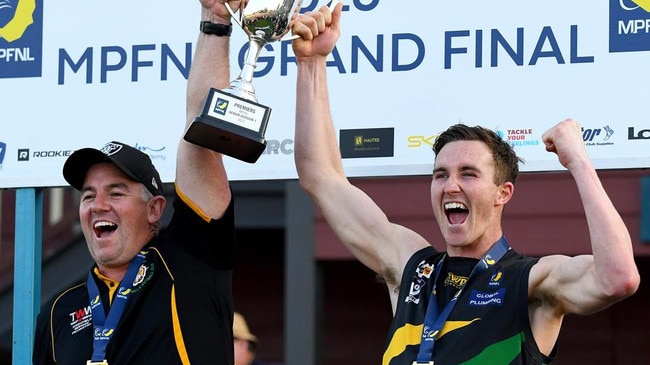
(424, 269)
(139, 278)
(142, 277)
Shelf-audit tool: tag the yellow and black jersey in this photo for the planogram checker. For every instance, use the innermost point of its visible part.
(489, 323)
(180, 311)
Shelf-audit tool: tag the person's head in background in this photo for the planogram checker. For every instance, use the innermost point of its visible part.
(245, 342)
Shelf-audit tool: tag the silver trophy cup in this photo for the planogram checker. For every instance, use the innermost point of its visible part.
(232, 121)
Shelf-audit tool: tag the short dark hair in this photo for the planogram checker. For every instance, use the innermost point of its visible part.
(506, 161)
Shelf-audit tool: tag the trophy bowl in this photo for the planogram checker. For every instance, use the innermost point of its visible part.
(264, 21)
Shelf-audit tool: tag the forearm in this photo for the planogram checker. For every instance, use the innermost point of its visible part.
(317, 151)
(210, 66)
(200, 173)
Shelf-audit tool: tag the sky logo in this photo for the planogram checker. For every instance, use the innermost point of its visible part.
(21, 38)
(629, 25)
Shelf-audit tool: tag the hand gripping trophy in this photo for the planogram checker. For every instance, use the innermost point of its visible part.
(232, 121)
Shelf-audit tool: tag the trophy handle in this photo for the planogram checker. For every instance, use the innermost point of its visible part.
(232, 14)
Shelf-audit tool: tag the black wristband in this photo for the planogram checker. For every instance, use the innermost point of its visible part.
(220, 30)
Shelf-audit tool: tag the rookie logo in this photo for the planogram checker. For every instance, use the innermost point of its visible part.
(629, 25)
(21, 38)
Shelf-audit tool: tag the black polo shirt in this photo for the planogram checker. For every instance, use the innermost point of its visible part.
(180, 313)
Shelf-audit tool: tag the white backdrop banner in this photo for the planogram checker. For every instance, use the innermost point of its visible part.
(79, 73)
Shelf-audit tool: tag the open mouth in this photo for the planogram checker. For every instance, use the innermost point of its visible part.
(104, 228)
(456, 212)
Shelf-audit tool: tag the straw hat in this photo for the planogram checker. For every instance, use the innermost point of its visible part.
(240, 329)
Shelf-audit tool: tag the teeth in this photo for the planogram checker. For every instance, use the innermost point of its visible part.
(104, 224)
(455, 206)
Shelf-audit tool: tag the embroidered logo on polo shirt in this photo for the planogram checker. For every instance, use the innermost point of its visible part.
(142, 277)
(139, 278)
(80, 319)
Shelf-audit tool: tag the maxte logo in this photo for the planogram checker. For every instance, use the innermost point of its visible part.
(629, 25)
(21, 38)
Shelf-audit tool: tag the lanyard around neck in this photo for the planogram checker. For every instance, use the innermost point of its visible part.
(103, 326)
(434, 320)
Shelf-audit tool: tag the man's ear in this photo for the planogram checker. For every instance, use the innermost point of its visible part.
(156, 208)
(504, 193)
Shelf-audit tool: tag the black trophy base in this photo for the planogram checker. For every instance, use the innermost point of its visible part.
(226, 138)
(221, 126)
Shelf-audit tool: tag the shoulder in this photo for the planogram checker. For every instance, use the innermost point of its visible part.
(422, 262)
(65, 303)
(189, 211)
(191, 234)
(514, 258)
(71, 294)
(429, 254)
(424, 256)
(547, 268)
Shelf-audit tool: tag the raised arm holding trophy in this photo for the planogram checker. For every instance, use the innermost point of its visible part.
(232, 121)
